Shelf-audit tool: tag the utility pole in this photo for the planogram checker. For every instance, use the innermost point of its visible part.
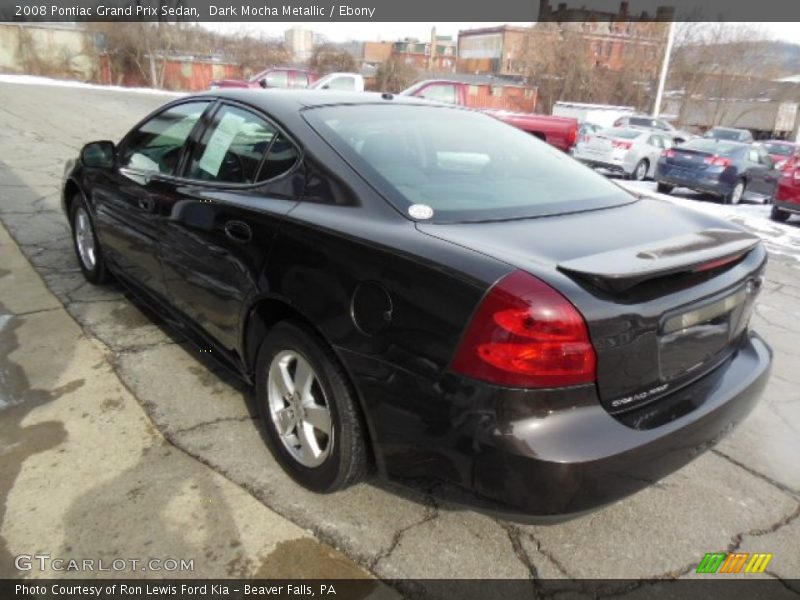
(662, 80)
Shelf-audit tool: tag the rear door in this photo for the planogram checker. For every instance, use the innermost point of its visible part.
(242, 175)
(126, 200)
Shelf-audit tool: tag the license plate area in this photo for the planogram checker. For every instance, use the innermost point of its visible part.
(692, 337)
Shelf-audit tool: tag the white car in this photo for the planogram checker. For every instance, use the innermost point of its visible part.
(345, 82)
(632, 152)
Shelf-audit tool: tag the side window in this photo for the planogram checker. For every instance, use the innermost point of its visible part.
(282, 156)
(300, 80)
(345, 83)
(232, 148)
(655, 140)
(440, 93)
(752, 155)
(156, 145)
(765, 158)
(279, 79)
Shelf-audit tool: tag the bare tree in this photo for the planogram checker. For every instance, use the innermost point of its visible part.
(394, 75)
(328, 58)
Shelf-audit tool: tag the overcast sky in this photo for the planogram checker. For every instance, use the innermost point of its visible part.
(341, 32)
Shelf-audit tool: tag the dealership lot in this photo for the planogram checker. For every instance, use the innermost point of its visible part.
(745, 494)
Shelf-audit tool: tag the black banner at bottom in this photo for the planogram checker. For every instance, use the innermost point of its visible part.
(768, 588)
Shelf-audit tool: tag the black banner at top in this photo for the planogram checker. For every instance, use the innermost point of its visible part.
(408, 10)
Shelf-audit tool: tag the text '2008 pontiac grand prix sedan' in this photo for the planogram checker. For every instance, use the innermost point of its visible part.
(427, 291)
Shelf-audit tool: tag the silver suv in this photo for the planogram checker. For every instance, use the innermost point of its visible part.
(660, 125)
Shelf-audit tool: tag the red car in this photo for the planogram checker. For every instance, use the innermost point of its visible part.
(781, 150)
(787, 196)
(274, 77)
(561, 132)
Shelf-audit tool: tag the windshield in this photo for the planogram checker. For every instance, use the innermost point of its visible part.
(463, 165)
(779, 149)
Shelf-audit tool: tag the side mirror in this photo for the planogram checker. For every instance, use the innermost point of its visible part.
(262, 83)
(99, 154)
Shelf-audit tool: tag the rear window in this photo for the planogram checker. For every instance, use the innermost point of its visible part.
(779, 149)
(464, 165)
(643, 122)
(624, 134)
(725, 134)
(711, 145)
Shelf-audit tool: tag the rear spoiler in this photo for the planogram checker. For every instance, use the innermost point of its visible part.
(620, 270)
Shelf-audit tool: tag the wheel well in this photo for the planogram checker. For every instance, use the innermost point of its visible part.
(71, 189)
(261, 318)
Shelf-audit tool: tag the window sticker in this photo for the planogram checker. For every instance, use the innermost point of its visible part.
(220, 143)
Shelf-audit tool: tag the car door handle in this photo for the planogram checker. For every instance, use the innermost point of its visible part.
(147, 204)
(238, 231)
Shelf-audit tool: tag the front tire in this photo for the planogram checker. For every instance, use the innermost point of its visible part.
(85, 242)
(781, 216)
(314, 427)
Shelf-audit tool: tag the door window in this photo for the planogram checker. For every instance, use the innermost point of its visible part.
(233, 148)
(440, 93)
(156, 145)
(279, 79)
(300, 80)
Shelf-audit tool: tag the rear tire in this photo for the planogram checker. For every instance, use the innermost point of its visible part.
(664, 188)
(85, 242)
(313, 423)
(736, 193)
(781, 216)
(640, 170)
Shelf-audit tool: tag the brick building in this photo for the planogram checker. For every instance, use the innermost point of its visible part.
(495, 50)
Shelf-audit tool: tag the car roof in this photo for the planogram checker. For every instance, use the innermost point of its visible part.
(285, 102)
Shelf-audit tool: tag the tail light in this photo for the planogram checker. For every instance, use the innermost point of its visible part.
(622, 145)
(668, 153)
(572, 135)
(526, 334)
(717, 161)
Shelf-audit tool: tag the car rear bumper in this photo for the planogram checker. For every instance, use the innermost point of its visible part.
(712, 183)
(610, 458)
(550, 455)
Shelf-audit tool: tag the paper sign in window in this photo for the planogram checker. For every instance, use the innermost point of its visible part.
(220, 143)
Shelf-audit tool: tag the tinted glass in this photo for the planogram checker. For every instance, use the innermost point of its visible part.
(282, 156)
(156, 145)
(464, 165)
(232, 148)
(643, 122)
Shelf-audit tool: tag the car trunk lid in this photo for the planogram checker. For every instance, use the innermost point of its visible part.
(666, 292)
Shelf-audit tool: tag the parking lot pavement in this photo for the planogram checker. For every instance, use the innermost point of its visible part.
(743, 494)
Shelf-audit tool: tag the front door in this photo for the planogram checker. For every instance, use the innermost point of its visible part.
(127, 198)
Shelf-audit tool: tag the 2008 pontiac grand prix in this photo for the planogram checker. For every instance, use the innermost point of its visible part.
(423, 290)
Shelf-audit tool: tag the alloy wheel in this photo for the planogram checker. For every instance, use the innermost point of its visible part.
(84, 239)
(737, 192)
(299, 409)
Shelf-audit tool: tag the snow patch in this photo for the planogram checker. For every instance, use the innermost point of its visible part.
(35, 80)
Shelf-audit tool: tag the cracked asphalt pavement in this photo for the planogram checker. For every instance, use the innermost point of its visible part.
(742, 495)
